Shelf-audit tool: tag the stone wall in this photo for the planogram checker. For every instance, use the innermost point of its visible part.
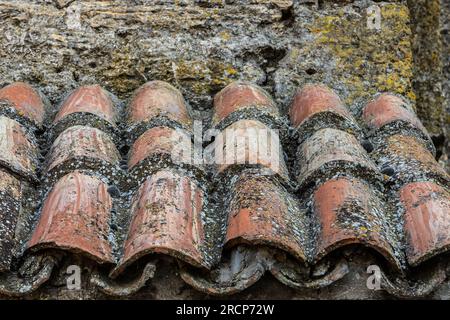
(429, 57)
(445, 54)
(200, 46)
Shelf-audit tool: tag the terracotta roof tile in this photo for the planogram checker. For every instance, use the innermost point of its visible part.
(158, 99)
(389, 115)
(91, 99)
(427, 220)
(329, 151)
(388, 108)
(25, 100)
(250, 142)
(89, 106)
(76, 216)
(167, 218)
(349, 211)
(263, 213)
(315, 99)
(17, 151)
(80, 147)
(161, 141)
(239, 97)
(10, 206)
(409, 159)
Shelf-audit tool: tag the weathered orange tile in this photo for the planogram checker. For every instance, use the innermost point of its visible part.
(158, 99)
(91, 99)
(79, 142)
(166, 219)
(262, 212)
(427, 220)
(25, 100)
(313, 99)
(349, 212)
(75, 217)
(10, 206)
(163, 141)
(17, 152)
(241, 95)
(388, 108)
(249, 142)
(409, 157)
(329, 146)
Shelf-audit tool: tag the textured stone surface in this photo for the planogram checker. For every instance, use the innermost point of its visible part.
(277, 44)
(428, 78)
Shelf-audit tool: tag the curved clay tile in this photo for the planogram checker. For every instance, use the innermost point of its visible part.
(157, 99)
(75, 217)
(388, 108)
(262, 212)
(255, 223)
(243, 268)
(409, 159)
(167, 218)
(315, 99)
(89, 99)
(17, 152)
(249, 142)
(25, 100)
(10, 207)
(174, 143)
(427, 220)
(80, 142)
(241, 95)
(349, 211)
(327, 147)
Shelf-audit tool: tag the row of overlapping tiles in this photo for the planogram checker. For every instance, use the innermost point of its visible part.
(169, 211)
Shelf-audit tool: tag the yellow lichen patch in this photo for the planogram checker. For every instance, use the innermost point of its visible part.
(225, 36)
(324, 25)
(368, 60)
(427, 42)
(122, 72)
